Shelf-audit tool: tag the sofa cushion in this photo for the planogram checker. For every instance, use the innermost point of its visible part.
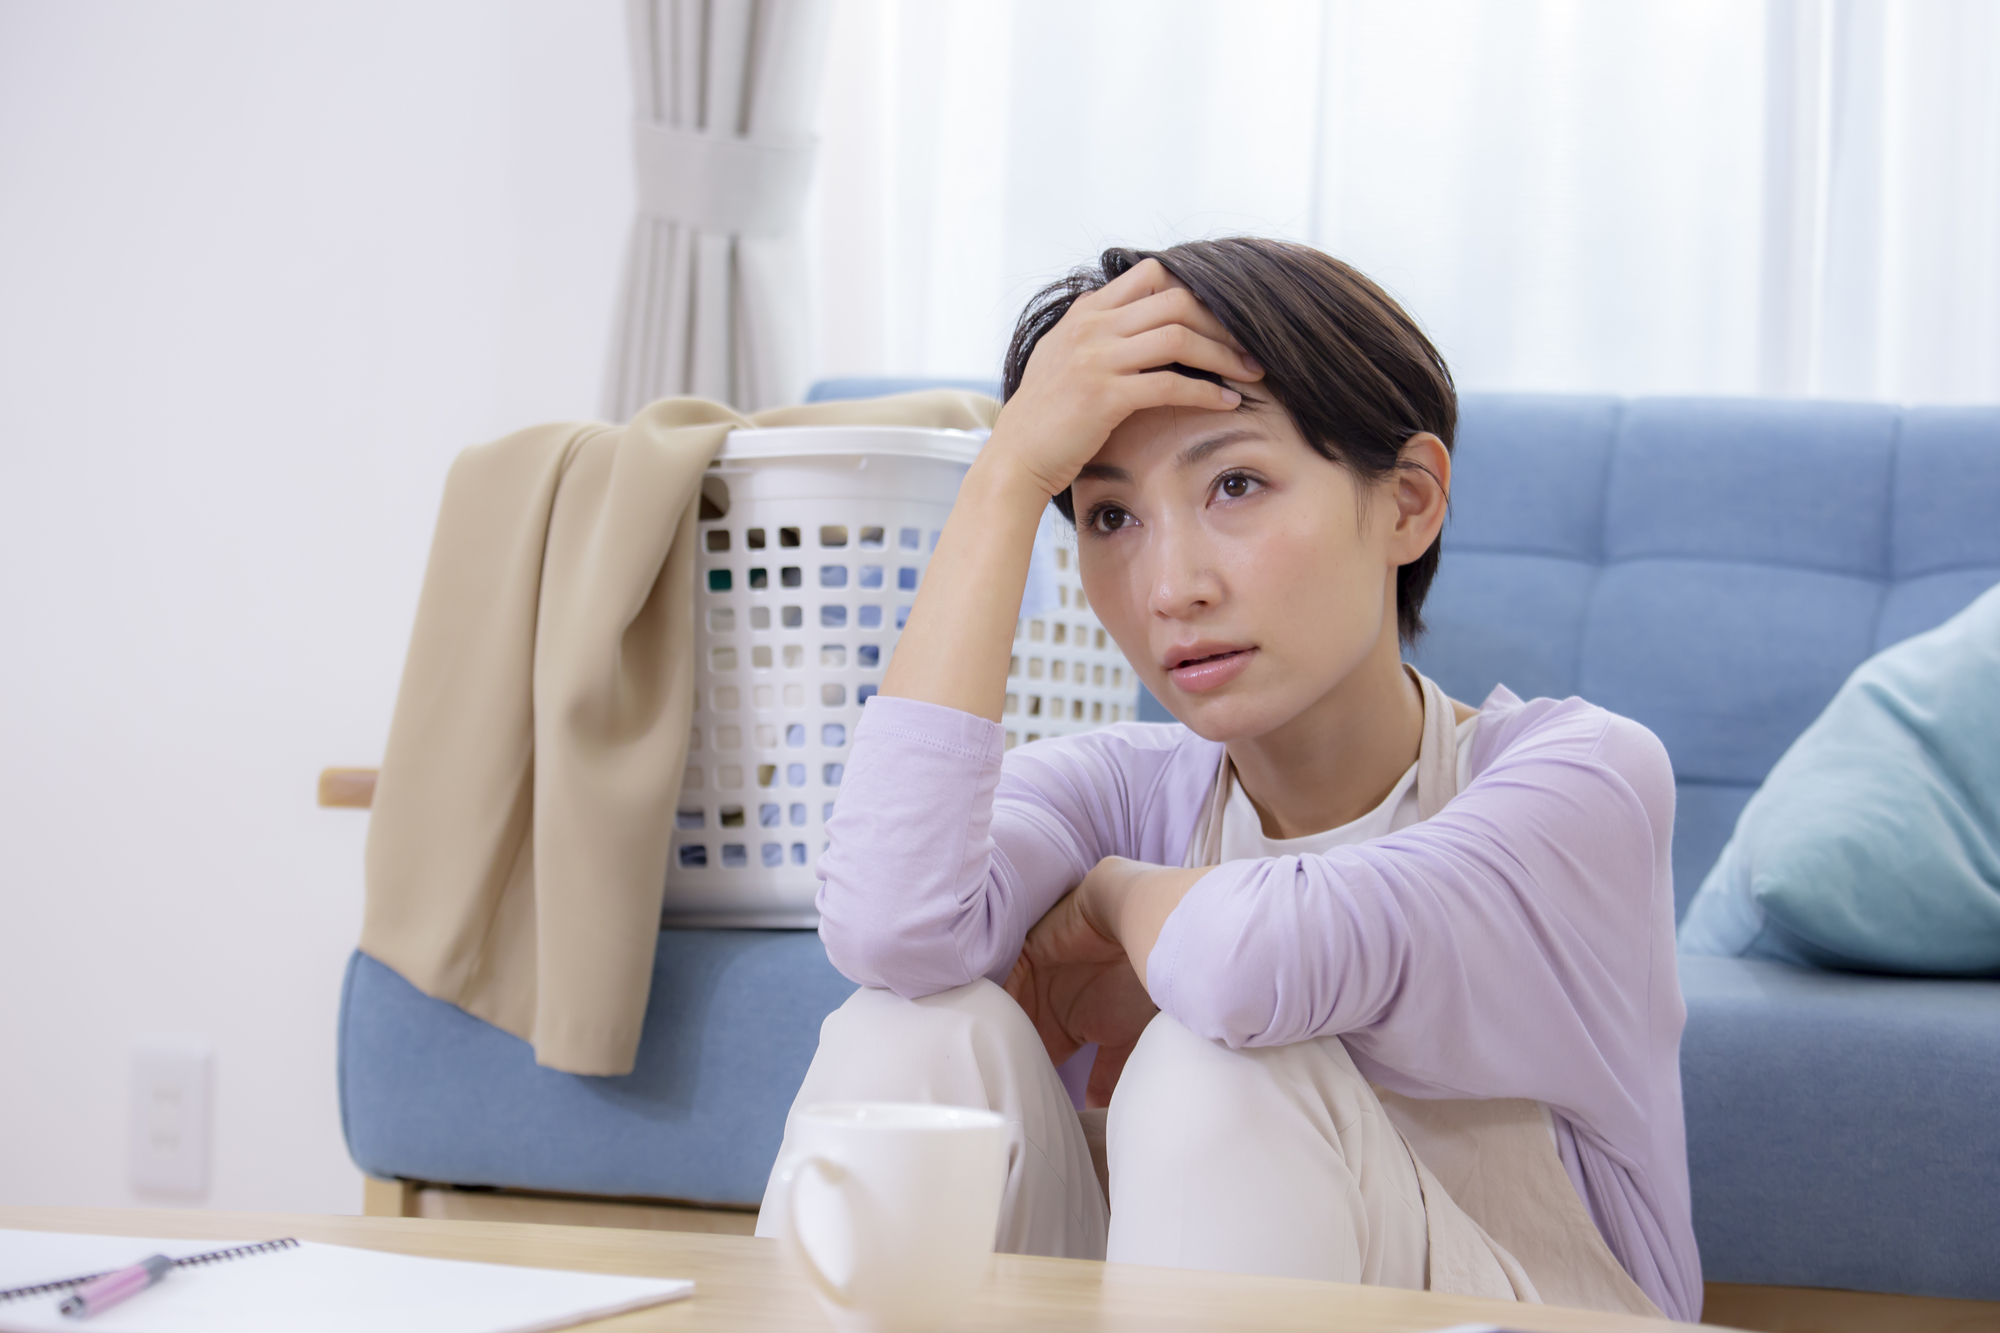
(429, 1092)
(1947, 475)
(1840, 1128)
(1875, 842)
(1746, 481)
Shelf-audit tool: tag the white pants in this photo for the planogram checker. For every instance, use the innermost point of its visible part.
(1276, 1160)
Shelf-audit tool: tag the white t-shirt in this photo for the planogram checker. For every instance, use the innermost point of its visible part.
(1243, 831)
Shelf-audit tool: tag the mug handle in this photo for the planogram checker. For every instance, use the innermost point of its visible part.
(794, 1174)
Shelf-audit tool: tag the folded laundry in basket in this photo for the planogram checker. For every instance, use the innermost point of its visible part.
(518, 848)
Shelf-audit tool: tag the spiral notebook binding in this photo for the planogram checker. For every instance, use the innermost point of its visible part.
(191, 1261)
(237, 1252)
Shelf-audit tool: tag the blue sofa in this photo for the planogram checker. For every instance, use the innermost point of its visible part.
(1713, 568)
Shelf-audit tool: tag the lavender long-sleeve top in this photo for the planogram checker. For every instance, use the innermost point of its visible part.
(1520, 943)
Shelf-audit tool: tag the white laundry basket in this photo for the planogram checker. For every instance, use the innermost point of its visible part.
(813, 542)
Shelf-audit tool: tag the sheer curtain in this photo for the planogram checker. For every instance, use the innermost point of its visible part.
(1881, 260)
(1663, 196)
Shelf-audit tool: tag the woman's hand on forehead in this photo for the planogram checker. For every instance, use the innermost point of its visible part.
(1106, 359)
(1098, 365)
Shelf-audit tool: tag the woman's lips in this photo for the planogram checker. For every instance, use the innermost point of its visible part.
(1208, 673)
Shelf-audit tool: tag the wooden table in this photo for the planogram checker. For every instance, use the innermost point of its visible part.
(746, 1285)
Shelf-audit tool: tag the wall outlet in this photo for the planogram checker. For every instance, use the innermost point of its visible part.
(170, 1087)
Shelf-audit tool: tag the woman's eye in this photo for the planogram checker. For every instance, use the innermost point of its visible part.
(1111, 519)
(1236, 485)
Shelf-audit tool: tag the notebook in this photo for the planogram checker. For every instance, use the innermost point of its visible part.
(311, 1288)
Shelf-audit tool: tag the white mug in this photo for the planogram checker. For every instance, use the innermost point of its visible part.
(891, 1209)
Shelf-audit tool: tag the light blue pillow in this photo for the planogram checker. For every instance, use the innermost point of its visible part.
(1874, 844)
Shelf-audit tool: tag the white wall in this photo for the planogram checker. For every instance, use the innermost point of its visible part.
(263, 270)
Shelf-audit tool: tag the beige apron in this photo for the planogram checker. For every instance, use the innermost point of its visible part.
(1503, 1218)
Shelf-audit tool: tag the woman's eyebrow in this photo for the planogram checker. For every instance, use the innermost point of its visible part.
(1201, 449)
(1189, 456)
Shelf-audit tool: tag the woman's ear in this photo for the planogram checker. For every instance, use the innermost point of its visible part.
(1422, 487)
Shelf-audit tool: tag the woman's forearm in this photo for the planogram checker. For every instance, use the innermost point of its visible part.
(954, 650)
(1130, 901)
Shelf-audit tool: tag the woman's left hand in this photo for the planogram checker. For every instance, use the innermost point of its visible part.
(1077, 985)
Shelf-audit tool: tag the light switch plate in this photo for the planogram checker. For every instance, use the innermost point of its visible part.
(170, 1095)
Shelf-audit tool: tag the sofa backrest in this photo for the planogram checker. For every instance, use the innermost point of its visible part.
(1713, 568)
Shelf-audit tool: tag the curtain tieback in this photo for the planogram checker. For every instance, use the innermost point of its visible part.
(721, 183)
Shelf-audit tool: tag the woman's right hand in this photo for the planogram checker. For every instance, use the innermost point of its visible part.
(1103, 361)
(1077, 986)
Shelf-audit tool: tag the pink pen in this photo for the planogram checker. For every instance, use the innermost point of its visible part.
(101, 1293)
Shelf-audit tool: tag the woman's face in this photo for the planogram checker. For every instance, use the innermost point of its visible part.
(1244, 575)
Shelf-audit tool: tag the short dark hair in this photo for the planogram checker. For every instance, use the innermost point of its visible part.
(1349, 366)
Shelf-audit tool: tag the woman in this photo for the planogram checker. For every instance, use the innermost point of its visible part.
(1382, 986)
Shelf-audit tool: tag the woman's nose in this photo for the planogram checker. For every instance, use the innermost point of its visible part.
(1183, 574)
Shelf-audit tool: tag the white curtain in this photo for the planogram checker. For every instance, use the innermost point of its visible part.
(1655, 196)
(714, 301)
(1882, 224)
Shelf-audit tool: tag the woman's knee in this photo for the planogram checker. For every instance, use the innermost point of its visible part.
(977, 1003)
(1181, 1093)
(1184, 1093)
(978, 1017)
